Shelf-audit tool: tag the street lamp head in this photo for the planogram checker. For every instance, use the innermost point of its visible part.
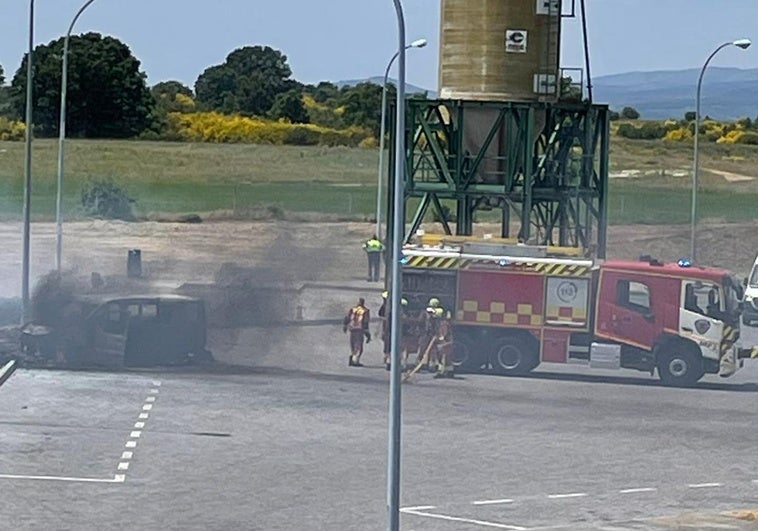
(742, 43)
(420, 43)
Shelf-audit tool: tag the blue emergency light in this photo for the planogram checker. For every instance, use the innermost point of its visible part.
(684, 262)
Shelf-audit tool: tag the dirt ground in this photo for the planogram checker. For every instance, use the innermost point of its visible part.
(255, 273)
(277, 252)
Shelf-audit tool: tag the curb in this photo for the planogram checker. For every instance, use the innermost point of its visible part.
(7, 370)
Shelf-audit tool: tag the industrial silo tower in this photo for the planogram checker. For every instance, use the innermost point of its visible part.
(512, 133)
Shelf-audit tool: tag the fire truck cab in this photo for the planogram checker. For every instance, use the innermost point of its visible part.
(518, 306)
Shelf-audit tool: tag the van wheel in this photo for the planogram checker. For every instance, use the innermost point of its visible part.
(513, 355)
(679, 365)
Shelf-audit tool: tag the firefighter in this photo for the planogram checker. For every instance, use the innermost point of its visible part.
(373, 248)
(357, 321)
(439, 332)
(386, 314)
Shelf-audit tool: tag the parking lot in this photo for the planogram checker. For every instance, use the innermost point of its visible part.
(280, 448)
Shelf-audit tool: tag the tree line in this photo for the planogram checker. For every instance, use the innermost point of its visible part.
(108, 95)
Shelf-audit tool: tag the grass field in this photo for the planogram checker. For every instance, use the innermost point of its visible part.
(175, 178)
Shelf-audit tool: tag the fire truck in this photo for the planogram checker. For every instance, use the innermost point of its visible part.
(515, 307)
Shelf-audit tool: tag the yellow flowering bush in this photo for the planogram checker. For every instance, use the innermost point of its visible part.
(222, 128)
(11, 129)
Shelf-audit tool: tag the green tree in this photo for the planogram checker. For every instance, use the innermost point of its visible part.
(362, 105)
(247, 82)
(173, 96)
(690, 116)
(630, 113)
(324, 92)
(107, 96)
(5, 106)
(289, 106)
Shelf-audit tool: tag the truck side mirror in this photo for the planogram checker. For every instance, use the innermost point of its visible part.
(744, 281)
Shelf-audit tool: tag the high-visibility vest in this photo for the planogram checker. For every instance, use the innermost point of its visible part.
(373, 246)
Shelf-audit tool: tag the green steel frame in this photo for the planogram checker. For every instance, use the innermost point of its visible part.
(543, 165)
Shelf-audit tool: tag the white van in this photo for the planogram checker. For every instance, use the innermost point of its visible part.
(750, 306)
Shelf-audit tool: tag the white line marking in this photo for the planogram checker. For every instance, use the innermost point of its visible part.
(154, 391)
(62, 478)
(147, 407)
(418, 508)
(127, 455)
(135, 434)
(705, 485)
(755, 481)
(150, 399)
(418, 512)
(492, 502)
(156, 383)
(8, 367)
(569, 495)
(123, 466)
(635, 491)
(139, 425)
(144, 415)
(131, 444)
(119, 478)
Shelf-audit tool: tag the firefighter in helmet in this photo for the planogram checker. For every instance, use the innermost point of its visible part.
(386, 313)
(439, 332)
(356, 322)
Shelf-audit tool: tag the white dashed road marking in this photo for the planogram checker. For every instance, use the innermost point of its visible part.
(569, 495)
(492, 502)
(635, 491)
(705, 485)
(115, 479)
(139, 426)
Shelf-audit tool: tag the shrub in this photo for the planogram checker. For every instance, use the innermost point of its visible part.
(11, 129)
(647, 131)
(105, 199)
(679, 134)
(221, 128)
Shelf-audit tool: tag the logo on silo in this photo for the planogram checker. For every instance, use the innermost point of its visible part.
(515, 41)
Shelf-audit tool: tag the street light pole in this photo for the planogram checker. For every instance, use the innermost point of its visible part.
(61, 141)
(743, 44)
(398, 229)
(27, 173)
(420, 43)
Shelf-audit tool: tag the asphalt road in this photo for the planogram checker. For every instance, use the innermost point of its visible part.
(291, 449)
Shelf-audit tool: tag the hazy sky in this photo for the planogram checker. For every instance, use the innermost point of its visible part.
(346, 39)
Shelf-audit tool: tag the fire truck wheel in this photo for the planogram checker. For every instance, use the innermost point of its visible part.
(466, 356)
(513, 355)
(679, 365)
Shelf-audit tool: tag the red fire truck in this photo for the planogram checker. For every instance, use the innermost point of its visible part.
(515, 307)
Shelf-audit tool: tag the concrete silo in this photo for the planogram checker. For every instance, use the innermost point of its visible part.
(511, 131)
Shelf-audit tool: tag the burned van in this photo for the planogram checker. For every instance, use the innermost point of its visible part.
(115, 331)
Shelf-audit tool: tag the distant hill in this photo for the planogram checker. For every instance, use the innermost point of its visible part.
(410, 89)
(727, 93)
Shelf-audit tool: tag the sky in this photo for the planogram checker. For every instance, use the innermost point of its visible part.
(353, 39)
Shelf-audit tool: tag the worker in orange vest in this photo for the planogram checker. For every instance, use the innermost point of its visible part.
(356, 322)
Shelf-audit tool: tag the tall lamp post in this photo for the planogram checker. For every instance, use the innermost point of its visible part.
(61, 141)
(398, 229)
(27, 172)
(743, 44)
(420, 43)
